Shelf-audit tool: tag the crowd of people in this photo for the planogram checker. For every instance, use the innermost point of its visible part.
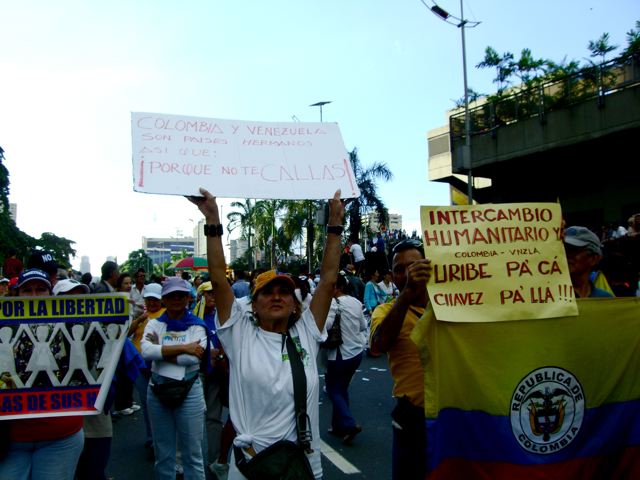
(250, 344)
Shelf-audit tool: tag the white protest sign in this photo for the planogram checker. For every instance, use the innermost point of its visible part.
(176, 155)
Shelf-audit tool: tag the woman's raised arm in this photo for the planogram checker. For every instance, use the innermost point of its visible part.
(215, 254)
(330, 261)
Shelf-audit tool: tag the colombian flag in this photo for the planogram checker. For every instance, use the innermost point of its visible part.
(534, 399)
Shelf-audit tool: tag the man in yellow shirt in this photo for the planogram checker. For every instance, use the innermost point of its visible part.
(391, 326)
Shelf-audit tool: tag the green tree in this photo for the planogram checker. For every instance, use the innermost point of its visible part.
(266, 213)
(300, 219)
(137, 259)
(4, 185)
(601, 47)
(10, 235)
(502, 63)
(632, 50)
(603, 79)
(562, 69)
(471, 93)
(529, 70)
(369, 199)
(244, 219)
(60, 247)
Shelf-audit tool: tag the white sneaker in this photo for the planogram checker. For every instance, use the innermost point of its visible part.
(126, 411)
(220, 470)
(135, 407)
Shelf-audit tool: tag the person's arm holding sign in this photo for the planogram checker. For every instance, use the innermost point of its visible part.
(215, 254)
(412, 271)
(330, 259)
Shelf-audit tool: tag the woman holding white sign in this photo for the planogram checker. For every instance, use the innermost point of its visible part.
(258, 344)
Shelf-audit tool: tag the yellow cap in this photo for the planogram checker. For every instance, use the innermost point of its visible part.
(266, 278)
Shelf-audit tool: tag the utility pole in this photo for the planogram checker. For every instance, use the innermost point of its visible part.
(462, 24)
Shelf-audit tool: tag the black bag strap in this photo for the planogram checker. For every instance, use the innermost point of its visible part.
(299, 394)
(338, 317)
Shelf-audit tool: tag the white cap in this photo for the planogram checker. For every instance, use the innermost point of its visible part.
(153, 290)
(68, 284)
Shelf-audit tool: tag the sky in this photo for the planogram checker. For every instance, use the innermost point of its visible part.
(73, 71)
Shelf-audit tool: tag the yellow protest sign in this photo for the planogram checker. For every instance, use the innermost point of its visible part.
(497, 262)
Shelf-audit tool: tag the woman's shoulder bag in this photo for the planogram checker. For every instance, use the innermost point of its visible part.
(334, 334)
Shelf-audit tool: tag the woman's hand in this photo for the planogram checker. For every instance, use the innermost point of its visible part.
(207, 205)
(153, 338)
(194, 349)
(336, 209)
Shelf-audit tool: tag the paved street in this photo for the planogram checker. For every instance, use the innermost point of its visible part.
(369, 456)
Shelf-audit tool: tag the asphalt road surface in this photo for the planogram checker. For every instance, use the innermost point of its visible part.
(369, 456)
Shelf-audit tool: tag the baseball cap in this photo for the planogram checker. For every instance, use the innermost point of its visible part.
(4, 280)
(175, 284)
(31, 275)
(68, 284)
(582, 237)
(153, 290)
(268, 277)
(43, 260)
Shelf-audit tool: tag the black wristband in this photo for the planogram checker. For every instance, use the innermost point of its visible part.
(213, 230)
(335, 229)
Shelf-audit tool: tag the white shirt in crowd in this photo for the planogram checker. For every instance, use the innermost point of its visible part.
(356, 251)
(390, 290)
(184, 363)
(352, 324)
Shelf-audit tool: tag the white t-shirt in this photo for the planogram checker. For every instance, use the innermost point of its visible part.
(390, 290)
(261, 385)
(352, 324)
(184, 363)
(356, 251)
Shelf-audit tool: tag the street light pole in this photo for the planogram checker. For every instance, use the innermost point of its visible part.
(320, 104)
(462, 24)
(466, 152)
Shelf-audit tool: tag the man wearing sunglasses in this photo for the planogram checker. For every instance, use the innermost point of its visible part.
(391, 326)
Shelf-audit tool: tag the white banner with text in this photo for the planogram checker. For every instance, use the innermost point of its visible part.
(176, 155)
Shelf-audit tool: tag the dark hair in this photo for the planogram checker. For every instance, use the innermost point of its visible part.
(121, 279)
(86, 278)
(303, 285)
(108, 269)
(370, 271)
(408, 244)
(342, 283)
